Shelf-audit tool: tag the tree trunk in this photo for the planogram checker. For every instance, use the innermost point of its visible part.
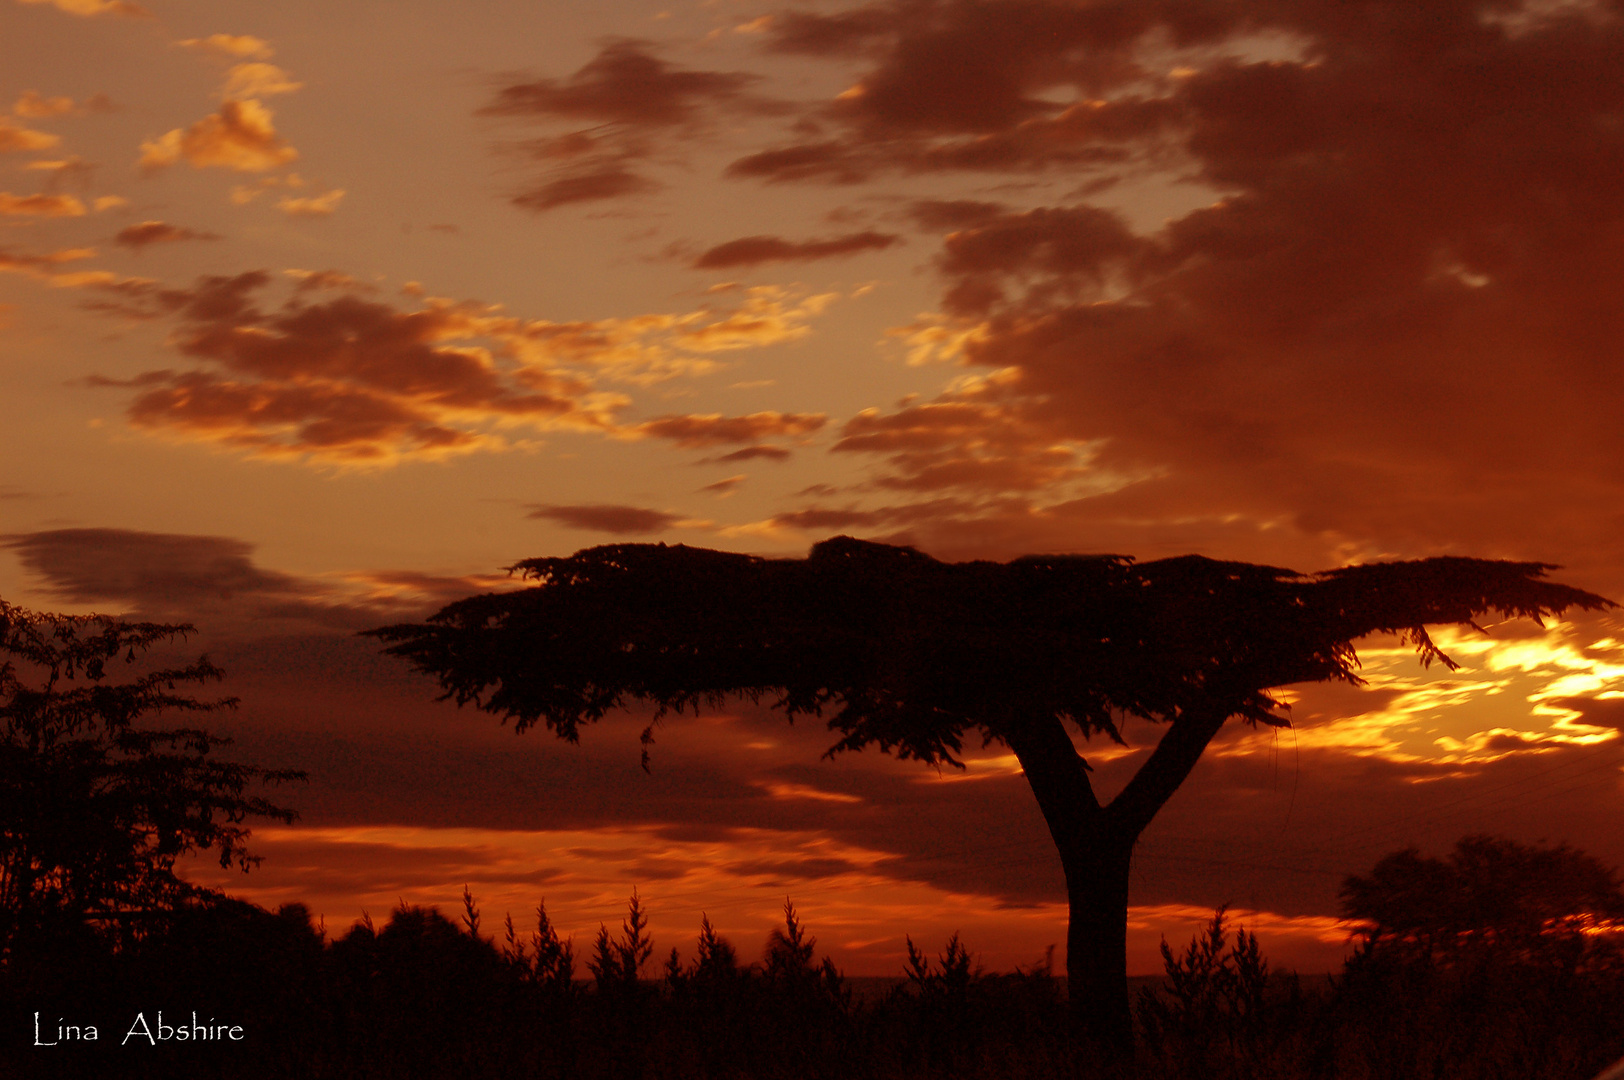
(1095, 858)
(1096, 850)
(1097, 940)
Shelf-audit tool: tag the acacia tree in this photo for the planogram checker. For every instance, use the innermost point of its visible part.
(96, 808)
(910, 654)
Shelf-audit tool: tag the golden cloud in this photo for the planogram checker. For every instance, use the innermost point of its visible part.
(256, 80)
(352, 380)
(40, 205)
(649, 349)
(312, 206)
(239, 137)
(17, 139)
(95, 7)
(35, 265)
(35, 105)
(714, 429)
(346, 380)
(244, 46)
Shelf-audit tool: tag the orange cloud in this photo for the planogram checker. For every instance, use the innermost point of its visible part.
(14, 138)
(755, 250)
(649, 349)
(697, 432)
(95, 7)
(346, 380)
(255, 80)
(239, 137)
(41, 266)
(350, 379)
(242, 46)
(311, 206)
(40, 205)
(35, 105)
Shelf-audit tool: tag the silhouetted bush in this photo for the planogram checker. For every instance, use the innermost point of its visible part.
(424, 997)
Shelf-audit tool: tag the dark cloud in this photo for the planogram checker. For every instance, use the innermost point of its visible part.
(215, 583)
(893, 522)
(818, 519)
(1059, 254)
(855, 31)
(157, 232)
(1389, 331)
(726, 486)
(948, 214)
(623, 84)
(610, 181)
(755, 250)
(961, 443)
(835, 162)
(146, 569)
(752, 453)
(615, 520)
(629, 96)
(974, 86)
(1596, 712)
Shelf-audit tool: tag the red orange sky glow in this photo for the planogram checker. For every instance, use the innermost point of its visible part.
(314, 317)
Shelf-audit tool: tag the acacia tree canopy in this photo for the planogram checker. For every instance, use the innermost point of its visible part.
(94, 808)
(910, 653)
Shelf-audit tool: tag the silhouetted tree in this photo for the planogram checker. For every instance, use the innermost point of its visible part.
(617, 964)
(1499, 959)
(94, 809)
(910, 654)
(1491, 898)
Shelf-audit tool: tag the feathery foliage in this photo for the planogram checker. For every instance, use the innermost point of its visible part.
(94, 809)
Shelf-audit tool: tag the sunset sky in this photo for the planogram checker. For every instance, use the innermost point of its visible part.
(313, 317)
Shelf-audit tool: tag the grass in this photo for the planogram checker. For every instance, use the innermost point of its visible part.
(423, 996)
